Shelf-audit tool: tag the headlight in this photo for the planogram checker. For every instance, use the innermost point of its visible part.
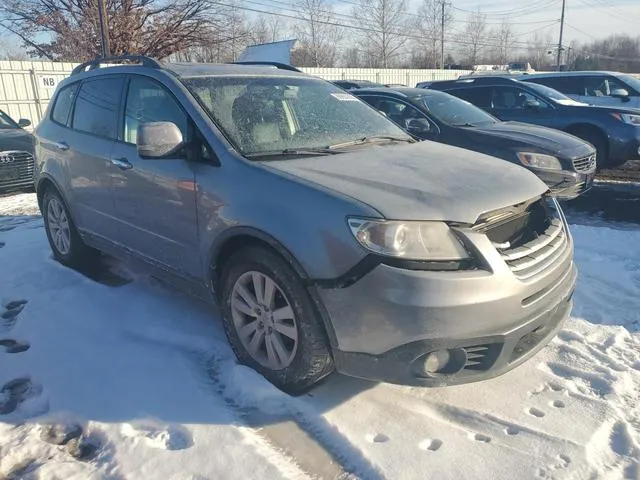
(424, 241)
(628, 118)
(539, 160)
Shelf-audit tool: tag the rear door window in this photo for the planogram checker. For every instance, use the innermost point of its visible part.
(64, 103)
(97, 106)
(480, 97)
(571, 85)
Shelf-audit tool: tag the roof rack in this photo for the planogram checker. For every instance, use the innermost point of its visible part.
(96, 62)
(280, 66)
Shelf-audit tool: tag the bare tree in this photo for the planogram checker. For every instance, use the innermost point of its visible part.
(502, 37)
(317, 33)
(69, 29)
(474, 37)
(538, 47)
(386, 25)
(430, 25)
(266, 29)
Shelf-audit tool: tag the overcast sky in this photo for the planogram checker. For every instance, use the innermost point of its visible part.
(585, 20)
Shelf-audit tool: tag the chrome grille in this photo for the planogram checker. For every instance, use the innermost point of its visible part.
(23, 161)
(585, 164)
(537, 255)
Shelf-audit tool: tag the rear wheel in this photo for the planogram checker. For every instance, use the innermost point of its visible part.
(271, 323)
(66, 244)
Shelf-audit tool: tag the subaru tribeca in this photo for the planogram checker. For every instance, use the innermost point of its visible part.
(329, 238)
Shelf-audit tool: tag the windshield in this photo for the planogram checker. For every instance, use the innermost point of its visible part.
(6, 121)
(265, 114)
(454, 111)
(632, 81)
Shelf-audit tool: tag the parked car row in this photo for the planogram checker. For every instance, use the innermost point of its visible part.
(330, 238)
(613, 131)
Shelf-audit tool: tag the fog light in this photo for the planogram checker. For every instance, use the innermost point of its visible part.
(440, 362)
(435, 362)
(638, 151)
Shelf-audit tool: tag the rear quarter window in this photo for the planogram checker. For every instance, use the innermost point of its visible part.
(63, 104)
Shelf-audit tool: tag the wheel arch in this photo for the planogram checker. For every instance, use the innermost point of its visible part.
(46, 183)
(238, 238)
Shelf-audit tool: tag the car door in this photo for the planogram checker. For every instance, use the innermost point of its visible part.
(401, 113)
(512, 103)
(155, 203)
(86, 148)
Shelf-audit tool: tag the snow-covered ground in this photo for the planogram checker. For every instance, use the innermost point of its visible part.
(136, 381)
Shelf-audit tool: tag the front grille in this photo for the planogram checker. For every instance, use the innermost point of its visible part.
(530, 239)
(585, 164)
(22, 161)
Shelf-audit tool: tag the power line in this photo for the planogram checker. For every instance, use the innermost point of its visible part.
(531, 8)
(347, 26)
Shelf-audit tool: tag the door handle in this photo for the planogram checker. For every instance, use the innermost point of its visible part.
(64, 146)
(122, 163)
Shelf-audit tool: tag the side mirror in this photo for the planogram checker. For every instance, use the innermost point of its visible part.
(620, 93)
(532, 104)
(24, 122)
(158, 139)
(417, 126)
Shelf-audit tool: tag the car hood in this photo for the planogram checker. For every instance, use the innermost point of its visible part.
(523, 135)
(15, 139)
(422, 181)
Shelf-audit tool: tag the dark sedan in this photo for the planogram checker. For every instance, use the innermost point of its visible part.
(16, 154)
(562, 161)
(613, 131)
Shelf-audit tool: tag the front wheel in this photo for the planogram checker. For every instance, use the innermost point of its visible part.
(271, 323)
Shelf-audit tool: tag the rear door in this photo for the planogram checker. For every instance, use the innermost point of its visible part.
(86, 148)
(155, 199)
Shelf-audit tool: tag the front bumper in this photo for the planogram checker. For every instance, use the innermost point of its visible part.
(386, 323)
(566, 184)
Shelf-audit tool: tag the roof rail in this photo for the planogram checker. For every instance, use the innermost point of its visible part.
(481, 79)
(281, 66)
(96, 62)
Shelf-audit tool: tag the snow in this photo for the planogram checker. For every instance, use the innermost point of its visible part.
(144, 375)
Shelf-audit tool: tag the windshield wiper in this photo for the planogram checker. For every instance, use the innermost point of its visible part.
(371, 139)
(292, 152)
(466, 124)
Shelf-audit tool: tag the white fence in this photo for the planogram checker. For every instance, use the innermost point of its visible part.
(408, 77)
(27, 87)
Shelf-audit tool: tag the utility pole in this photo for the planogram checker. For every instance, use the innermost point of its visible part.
(442, 36)
(560, 39)
(104, 29)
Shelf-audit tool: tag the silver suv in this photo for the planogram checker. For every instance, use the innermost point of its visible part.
(329, 238)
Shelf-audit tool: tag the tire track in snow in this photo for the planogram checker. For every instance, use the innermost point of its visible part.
(287, 423)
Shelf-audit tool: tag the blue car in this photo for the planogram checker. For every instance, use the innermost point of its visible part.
(613, 131)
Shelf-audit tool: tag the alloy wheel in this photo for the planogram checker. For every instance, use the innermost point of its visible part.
(264, 320)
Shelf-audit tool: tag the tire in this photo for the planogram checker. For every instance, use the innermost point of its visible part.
(308, 359)
(75, 254)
